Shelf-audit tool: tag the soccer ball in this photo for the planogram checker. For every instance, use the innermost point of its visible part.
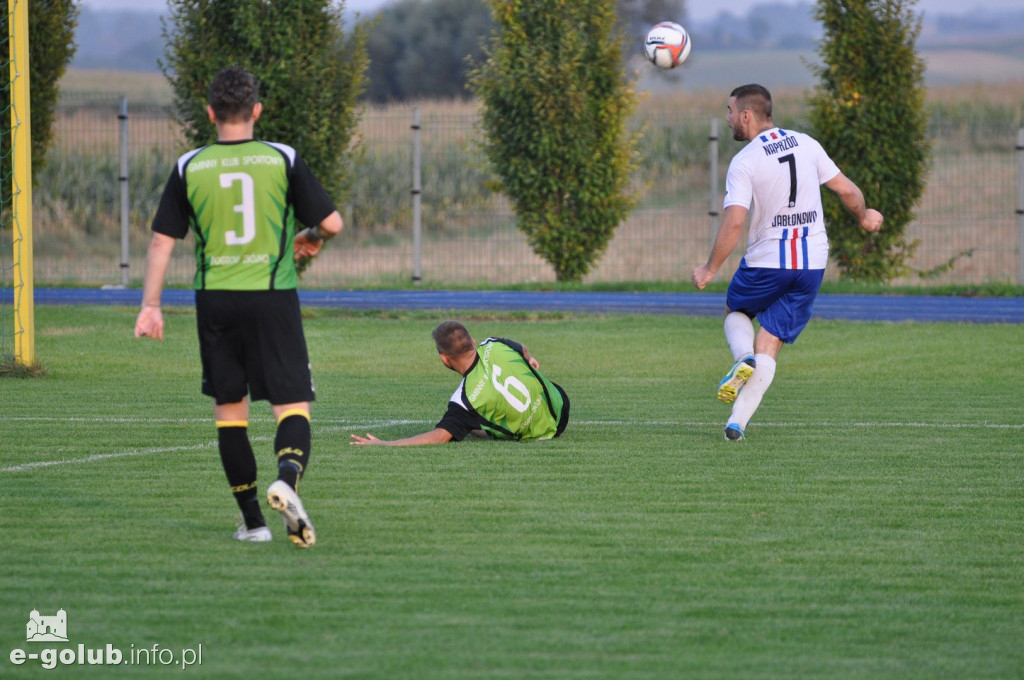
(667, 44)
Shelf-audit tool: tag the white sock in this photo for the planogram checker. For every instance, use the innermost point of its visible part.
(750, 396)
(739, 333)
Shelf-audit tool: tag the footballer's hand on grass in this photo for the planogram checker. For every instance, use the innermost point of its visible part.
(368, 439)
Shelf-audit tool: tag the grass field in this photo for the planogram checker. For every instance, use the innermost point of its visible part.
(869, 527)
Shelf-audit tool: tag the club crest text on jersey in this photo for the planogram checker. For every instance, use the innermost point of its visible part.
(772, 148)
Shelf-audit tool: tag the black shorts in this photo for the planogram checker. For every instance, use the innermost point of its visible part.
(251, 342)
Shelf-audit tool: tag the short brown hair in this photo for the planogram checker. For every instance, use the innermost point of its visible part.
(754, 97)
(452, 338)
(234, 93)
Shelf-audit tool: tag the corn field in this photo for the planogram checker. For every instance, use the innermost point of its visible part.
(967, 226)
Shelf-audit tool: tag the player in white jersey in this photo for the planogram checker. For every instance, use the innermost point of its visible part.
(775, 179)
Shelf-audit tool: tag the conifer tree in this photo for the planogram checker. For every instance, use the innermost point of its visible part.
(51, 46)
(556, 101)
(868, 110)
(311, 73)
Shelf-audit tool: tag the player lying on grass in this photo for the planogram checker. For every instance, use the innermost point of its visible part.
(502, 394)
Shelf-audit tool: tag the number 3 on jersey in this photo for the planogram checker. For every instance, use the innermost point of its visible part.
(246, 208)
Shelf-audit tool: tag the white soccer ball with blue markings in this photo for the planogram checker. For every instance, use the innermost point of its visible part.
(667, 45)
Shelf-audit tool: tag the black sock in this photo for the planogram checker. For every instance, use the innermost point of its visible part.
(240, 467)
(292, 444)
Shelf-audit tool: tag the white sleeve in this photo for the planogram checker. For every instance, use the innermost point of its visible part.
(739, 189)
(827, 169)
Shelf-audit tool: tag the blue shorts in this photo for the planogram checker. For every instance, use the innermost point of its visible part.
(781, 299)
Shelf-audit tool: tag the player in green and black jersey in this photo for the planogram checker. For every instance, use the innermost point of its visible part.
(502, 395)
(244, 200)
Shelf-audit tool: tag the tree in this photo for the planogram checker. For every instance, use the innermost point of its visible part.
(424, 49)
(51, 32)
(421, 49)
(556, 101)
(311, 73)
(869, 112)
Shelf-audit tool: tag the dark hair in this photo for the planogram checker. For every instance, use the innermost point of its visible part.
(757, 98)
(452, 338)
(233, 94)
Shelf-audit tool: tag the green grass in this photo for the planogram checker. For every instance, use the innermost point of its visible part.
(869, 527)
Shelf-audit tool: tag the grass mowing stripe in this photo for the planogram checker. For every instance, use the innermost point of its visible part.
(324, 424)
(331, 425)
(344, 426)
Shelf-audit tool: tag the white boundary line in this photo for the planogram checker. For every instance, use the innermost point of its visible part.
(322, 426)
(101, 456)
(343, 423)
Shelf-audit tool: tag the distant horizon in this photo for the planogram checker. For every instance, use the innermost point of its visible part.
(698, 11)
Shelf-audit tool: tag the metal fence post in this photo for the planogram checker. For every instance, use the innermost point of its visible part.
(123, 179)
(417, 190)
(713, 204)
(1020, 207)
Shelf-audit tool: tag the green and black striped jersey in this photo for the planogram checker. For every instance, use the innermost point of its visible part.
(505, 396)
(241, 200)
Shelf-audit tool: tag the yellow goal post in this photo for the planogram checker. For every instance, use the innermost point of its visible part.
(18, 218)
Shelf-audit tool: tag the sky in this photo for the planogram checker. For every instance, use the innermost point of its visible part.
(699, 9)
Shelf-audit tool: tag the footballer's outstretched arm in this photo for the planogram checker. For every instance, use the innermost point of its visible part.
(436, 436)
